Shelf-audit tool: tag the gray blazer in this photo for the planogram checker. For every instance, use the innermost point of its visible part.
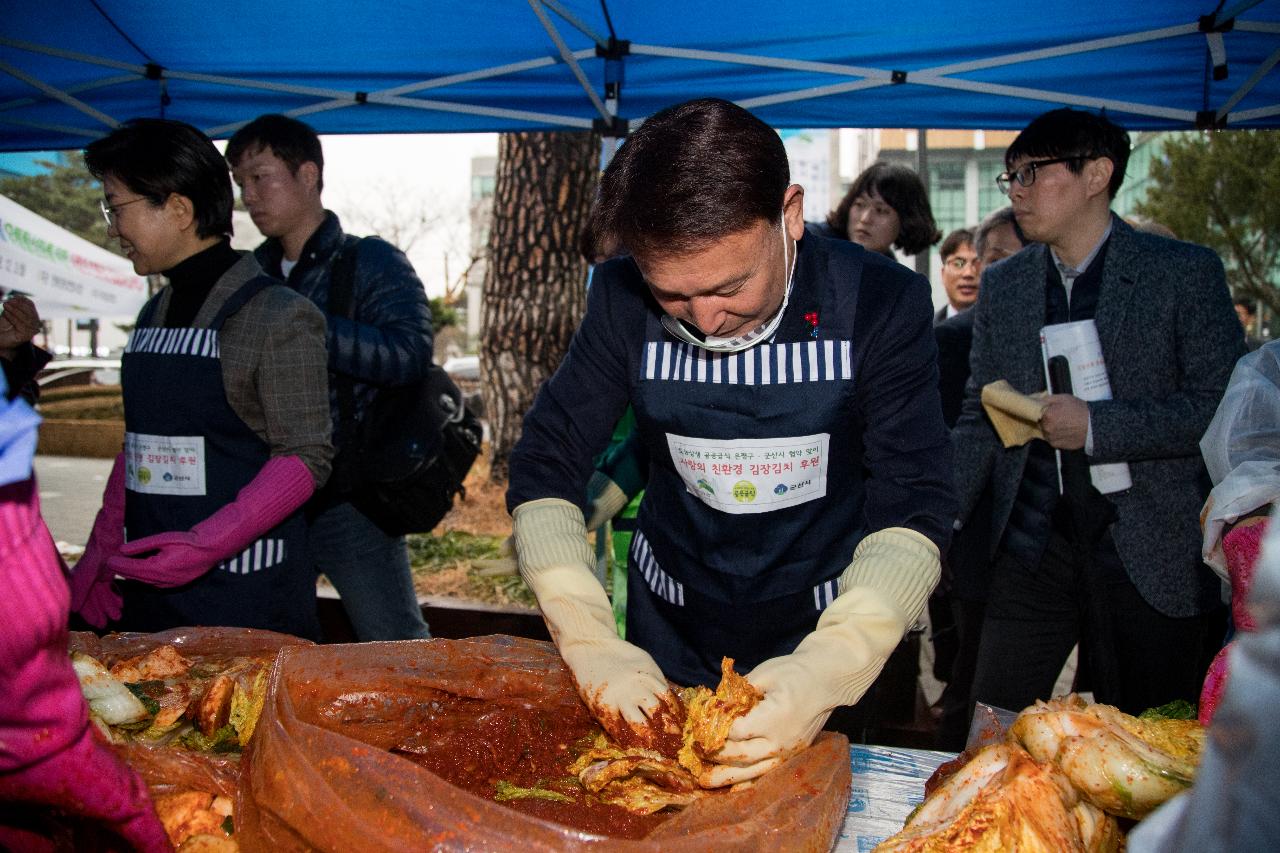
(1170, 339)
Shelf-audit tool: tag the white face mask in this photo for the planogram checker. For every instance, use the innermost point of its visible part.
(760, 333)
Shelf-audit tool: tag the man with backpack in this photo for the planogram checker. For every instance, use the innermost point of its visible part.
(381, 340)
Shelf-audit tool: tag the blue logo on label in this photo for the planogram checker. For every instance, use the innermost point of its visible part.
(167, 476)
(780, 489)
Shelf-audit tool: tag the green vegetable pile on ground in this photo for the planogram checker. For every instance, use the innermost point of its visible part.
(445, 564)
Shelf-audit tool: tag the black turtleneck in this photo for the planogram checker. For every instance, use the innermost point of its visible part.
(192, 280)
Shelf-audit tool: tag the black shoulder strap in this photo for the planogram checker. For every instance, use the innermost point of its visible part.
(342, 285)
(342, 279)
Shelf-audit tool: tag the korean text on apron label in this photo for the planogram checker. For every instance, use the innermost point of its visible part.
(164, 464)
(752, 475)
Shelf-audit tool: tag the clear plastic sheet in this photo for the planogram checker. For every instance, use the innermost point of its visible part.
(888, 784)
(1241, 449)
(319, 775)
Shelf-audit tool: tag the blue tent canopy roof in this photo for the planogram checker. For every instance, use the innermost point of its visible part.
(72, 69)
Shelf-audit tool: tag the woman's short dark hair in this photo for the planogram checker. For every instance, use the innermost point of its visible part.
(157, 157)
(1073, 133)
(901, 189)
(294, 142)
(691, 174)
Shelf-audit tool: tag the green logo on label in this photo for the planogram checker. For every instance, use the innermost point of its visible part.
(144, 475)
(705, 486)
(744, 491)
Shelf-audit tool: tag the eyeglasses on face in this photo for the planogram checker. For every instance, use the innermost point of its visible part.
(958, 264)
(1026, 173)
(109, 210)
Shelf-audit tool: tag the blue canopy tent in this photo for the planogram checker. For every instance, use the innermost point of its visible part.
(72, 69)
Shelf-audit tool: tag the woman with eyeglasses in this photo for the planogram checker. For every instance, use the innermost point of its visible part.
(225, 404)
(886, 206)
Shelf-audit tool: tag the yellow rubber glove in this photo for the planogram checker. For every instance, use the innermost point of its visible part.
(621, 684)
(881, 593)
(604, 500)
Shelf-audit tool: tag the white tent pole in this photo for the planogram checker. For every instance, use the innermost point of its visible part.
(88, 59)
(17, 103)
(1062, 50)
(1260, 72)
(1260, 112)
(1188, 116)
(567, 56)
(762, 61)
(497, 112)
(58, 94)
(408, 88)
(56, 128)
(243, 83)
(480, 74)
(420, 104)
(814, 92)
(1257, 27)
(575, 22)
(1228, 14)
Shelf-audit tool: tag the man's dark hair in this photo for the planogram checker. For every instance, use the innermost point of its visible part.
(901, 189)
(156, 157)
(953, 242)
(1249, 305)
(995, 219)
(1073, 133)
(294, 142)
(690, 175)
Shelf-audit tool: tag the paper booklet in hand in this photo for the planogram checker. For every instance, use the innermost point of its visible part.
(1078, 343)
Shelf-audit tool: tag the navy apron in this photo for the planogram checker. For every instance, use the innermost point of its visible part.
(755, 497)
(188, 454)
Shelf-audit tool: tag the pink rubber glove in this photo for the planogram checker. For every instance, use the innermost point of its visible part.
(93, 594)
(1214, 683)
(1240, 547)
(181, 556)
(48, 754)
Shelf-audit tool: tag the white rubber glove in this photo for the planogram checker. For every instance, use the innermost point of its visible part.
(881, 593)
(619, 682)
(604, 500)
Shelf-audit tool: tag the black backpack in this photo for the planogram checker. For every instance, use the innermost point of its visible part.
(404, 462)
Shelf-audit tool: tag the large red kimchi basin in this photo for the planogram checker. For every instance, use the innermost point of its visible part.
(319, 776)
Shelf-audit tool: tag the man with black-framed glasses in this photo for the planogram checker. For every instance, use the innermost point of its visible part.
(960, 269)
(1119, 573)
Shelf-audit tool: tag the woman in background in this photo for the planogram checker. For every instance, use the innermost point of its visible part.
(886, 206)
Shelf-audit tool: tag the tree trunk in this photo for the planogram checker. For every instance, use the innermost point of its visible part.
(535, 285)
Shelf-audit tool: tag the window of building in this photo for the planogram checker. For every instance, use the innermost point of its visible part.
(946, 194)
(990, 199)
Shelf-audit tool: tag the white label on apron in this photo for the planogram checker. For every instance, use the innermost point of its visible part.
(164, 464)
(749, 475)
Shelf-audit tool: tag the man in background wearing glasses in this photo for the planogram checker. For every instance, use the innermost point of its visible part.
(960, 268)
(1120, 573)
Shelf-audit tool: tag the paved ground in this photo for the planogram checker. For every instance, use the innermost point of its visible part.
(70, 494)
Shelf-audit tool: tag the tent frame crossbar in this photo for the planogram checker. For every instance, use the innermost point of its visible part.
(568, 57)
(58, 94)
(866, 78)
